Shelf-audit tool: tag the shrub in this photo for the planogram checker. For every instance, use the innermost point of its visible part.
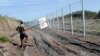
(4, 38)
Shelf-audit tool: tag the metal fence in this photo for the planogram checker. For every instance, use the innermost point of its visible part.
(72, 18)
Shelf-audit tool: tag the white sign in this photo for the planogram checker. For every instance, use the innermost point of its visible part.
(43, 22)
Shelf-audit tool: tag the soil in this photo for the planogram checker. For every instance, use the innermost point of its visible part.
(53, 43)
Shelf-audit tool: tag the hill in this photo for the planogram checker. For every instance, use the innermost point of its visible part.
(7, 24)
(88, 14)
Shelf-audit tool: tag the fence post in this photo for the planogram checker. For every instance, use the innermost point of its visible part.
(83, 17)
(48, 22)
(57, 20)
(63, 20)
(52, 21)
(71, 19)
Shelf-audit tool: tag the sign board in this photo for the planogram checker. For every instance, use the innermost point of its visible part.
(43, 22)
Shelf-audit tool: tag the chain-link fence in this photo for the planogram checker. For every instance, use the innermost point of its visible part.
(92, 21)
(68, 18)
(77, 18)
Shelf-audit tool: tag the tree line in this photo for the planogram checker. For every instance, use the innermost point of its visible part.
(88, 14)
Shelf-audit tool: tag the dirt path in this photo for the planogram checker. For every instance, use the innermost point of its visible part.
(52, 44)
(30, 49)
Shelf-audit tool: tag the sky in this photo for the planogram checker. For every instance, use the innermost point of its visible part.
(28, 10)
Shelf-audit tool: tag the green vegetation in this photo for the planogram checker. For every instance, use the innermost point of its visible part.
(88, 14)
(7, 22)
(2, 18)
(4, 38)
(98, 15)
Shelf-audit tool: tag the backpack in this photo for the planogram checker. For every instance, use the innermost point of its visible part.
(21, 28)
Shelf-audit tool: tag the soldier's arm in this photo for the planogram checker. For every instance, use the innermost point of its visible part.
(17, 29)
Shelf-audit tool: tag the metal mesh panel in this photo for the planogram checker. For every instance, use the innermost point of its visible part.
(77, 17)
(92, 22)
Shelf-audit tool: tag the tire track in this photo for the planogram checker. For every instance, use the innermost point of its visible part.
(57, 45)
(88, 46)
(43, 47)
(59, 48)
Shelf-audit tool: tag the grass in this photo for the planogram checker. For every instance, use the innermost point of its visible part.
(3, 18)
(4, 38)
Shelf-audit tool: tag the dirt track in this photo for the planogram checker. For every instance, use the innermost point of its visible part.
(50, 43)
(53, 44)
